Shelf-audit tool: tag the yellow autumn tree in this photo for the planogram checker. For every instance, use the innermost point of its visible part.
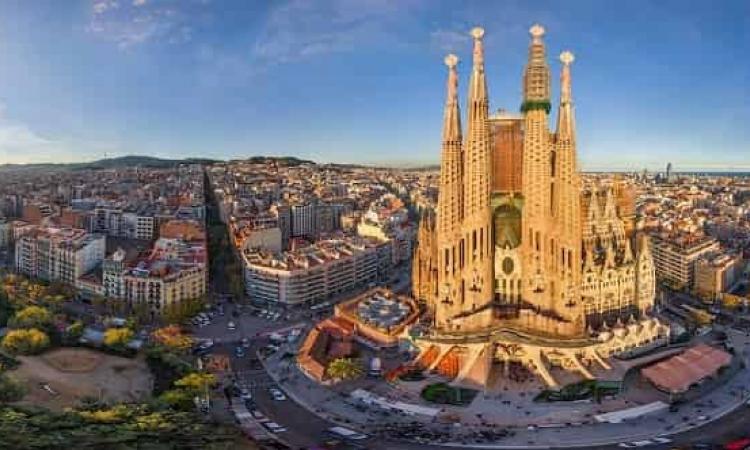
(25, 342)
(32, 317)
(117, 337)
(196, 382)
(172, 337)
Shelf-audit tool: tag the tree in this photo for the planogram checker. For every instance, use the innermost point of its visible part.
(196, 383)
(25, 342)
(344, 369)
(120, 427)
(178, 312)
(11, 390)
(178, 399)
(117, 337)
(6, 309)
(74, 330)
(173, 338)
(32, 317)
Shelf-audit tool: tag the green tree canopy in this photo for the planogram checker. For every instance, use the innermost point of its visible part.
(344, 369)
(11, 390)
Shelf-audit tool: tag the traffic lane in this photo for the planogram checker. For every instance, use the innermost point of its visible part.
(732, 426)
(303, 428)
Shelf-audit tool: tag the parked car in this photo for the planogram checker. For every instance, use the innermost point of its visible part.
(259, 416)
(277, 394)
(274, 427)
(231, 326)
(245, 394)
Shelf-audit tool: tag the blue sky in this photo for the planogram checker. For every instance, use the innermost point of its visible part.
(362, 80)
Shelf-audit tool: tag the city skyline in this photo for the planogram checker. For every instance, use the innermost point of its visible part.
(223, 79)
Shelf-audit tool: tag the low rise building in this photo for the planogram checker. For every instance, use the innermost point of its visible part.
(379, 317)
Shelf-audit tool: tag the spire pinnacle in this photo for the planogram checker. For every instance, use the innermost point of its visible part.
(478, 86)
(536, 90)
(536, 31)
(565, 117)
(478, 33)
(567, 59)
(452, 116)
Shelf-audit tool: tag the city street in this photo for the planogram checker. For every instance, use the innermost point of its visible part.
(306, 427)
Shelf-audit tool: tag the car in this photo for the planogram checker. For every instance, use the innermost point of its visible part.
(245, 394)
(274, 427)
(246, 342)
(277, 394)
(204, 347)
(257, 415)
(738, 444)
(661, 440)
(346, 434)
(231, 326)
(239, 352)
(635, 444)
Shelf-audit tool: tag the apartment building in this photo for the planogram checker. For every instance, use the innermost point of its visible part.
(175, 269)
(716, 273)
(157, 283)
(316, 272)
(58, 254)
(675, 257)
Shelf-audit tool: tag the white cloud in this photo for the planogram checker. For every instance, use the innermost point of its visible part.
(301, 29)
(22, 144)
(18, 143)
(102, 6)
(130, 23)
(450, 41)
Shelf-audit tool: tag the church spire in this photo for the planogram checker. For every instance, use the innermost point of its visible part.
(536, 88)
(477, 282)
(450, 201)
(566, 127)
(478, 86)
(451, 114)
(477, 150)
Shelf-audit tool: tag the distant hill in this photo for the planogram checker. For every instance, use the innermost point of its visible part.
(110, 163)
(163, 163)
(283, 160)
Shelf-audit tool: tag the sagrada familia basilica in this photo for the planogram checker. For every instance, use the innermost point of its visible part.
(521, 262)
